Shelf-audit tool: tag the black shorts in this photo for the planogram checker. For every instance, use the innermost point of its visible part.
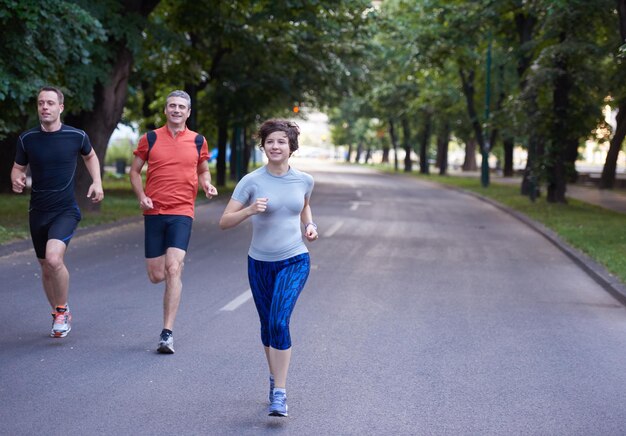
(164, 231)
(60, 224)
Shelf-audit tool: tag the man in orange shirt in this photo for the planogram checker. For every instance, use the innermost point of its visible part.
(177, 161)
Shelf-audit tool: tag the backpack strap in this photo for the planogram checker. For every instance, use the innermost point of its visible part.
(199, 141)
(151, 137)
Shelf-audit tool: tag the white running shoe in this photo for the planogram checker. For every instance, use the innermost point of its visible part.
(62, 323)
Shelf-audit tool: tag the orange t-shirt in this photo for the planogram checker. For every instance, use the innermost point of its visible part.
(172, 181)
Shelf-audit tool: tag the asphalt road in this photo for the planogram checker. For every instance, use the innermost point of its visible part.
(427, 312)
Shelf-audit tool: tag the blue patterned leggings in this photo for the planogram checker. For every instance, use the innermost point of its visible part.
(275, 287)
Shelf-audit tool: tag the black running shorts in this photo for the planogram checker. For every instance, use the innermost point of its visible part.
(164, 231)
(59, 225)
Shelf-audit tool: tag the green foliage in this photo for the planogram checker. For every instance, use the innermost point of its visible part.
(44, 43)
(246, 60)
(555, 64)
(251, 59)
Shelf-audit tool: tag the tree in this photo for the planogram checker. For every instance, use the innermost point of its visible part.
(124, 21)
(569, 92)
(449, 37)
(251, 59)
(43, 43)
(607, 180)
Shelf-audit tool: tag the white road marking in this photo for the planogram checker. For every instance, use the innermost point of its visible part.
(333, 229)
(355, 204)
(234, 304)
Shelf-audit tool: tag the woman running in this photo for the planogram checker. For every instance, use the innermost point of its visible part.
(276, 196)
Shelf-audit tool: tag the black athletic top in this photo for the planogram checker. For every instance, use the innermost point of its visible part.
(52, 157)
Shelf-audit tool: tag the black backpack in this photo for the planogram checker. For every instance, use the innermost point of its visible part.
(151, 137)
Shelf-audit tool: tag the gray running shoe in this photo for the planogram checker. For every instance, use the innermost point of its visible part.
(279, 404)
(62, 323)
(166, 344)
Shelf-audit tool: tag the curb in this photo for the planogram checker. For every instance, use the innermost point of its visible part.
(597, 272)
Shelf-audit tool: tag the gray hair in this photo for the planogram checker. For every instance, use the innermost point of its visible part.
(181, 94)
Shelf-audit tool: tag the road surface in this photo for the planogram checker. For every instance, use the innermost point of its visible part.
(427, 312)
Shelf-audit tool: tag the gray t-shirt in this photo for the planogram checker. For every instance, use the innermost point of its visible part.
(276, 233)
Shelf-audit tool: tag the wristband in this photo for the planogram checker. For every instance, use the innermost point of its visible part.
(310, 224)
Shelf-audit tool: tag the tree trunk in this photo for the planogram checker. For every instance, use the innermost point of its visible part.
(493, 137)
(7, 157)
(359, 150)
(394, 144)
(467, 80)
(443, 139)
(148, 97)
(525, 25)
(406, 139)
(556, 183)
(508, 144)
(570, 156)
(234, 150)
(424, 143)
(222, 139)
(531, 181)
(192, 121)
(349, 153)
(607, 181)
(469, 164)
(533, 176)
(247, 151)
(101, 121)
(556, 162)
(621, 9)
(385, 157)
(109, 101)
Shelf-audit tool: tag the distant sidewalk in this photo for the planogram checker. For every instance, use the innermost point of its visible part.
(614, 199)
(608, 199)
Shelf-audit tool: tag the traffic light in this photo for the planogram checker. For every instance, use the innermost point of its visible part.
(296, 109)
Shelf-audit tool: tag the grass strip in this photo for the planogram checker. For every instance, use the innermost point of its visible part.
(119, 203)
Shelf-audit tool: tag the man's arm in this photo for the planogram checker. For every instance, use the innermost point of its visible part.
(204, 178)
(136, 182)
(18, 178)
(92, 163)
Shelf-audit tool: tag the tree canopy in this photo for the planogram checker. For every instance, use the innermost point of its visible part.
(488, 75)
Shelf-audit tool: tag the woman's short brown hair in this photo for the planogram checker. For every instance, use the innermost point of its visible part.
(279, 125)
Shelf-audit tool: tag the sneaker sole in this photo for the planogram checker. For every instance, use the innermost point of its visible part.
(164, 349)
(277, 413)
(57, 334)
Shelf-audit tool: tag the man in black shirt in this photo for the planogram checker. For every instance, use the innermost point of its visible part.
(52, 150)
